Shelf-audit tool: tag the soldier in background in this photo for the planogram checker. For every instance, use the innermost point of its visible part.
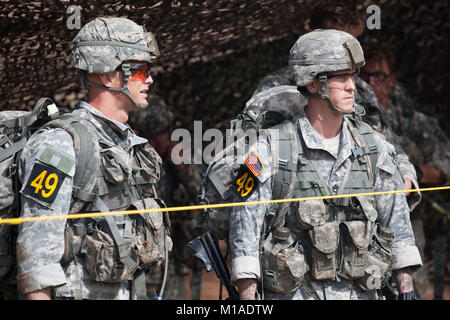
(178, 187)
(425, 142)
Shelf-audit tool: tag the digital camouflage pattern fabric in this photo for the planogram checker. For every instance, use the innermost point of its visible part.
(432, 144)
(177, 188)
(313, 55)
(104, 43)
(104, 257)
(45, 247)
(324, 235)
(425, 143)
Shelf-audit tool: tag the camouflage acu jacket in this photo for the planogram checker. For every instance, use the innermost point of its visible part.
(41, 244)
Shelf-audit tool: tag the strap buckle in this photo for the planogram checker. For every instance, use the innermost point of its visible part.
(12, 169)
(283, 163)
(357, 152)
(373, 148)
(126, 68)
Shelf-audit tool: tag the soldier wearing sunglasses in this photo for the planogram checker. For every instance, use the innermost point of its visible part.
(103, 257)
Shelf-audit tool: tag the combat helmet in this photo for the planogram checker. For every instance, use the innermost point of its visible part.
(320, 52)
(110, 43)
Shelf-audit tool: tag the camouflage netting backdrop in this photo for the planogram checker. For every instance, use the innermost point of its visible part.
(213, 52)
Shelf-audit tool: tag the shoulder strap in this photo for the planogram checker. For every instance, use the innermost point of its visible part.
(286, 147)
(87, 153)
(363, 135)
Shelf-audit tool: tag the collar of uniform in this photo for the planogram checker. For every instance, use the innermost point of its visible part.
(313, 140)
(121, 126)
(124, 128)
(346, 144)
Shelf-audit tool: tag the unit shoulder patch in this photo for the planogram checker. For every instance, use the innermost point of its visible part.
(245, 184)
(44, 183)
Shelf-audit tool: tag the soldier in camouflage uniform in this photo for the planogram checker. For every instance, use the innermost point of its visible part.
(178, 187)
(102, 257)
(425, 142)
(322, 249)
(346, 17)
(405, 119)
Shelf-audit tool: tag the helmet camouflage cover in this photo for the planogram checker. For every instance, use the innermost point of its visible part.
(323, 51)
(105, 43)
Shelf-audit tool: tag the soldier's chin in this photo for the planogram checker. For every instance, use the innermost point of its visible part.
(346, 107)
(142, 101)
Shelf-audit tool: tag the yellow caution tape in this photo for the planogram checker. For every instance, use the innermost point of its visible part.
(206, 206)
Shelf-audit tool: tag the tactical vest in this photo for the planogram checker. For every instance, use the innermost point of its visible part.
(331, 238)
(118, 248)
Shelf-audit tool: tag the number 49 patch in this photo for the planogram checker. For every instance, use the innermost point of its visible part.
(245, 184)
(44, 183)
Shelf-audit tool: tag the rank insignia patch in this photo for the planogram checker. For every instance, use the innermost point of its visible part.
(254, 164)
(245, 184)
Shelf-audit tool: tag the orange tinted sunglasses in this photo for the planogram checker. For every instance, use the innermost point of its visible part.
(140, 71)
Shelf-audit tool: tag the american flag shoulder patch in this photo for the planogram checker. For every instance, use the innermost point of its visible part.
(254, 163)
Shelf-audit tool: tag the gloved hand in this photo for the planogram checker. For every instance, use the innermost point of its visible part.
(412, 295)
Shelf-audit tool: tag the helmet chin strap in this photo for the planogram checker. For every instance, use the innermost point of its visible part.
(324, 95)
(126, 77)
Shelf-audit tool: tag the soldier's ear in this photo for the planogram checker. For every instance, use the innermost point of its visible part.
(314, 86)
(110, 79)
